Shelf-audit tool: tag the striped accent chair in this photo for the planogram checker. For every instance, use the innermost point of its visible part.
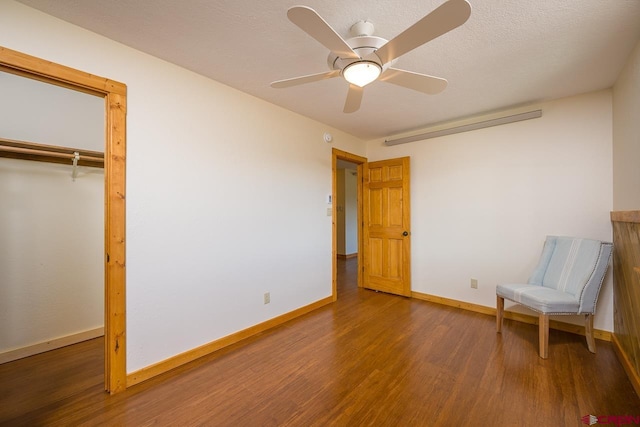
(567, 280)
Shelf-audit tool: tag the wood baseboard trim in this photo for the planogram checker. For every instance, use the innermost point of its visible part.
(348, 256)
(524, 318)
(625, 361)
(454, 303)
(206, 349)
(31, 350)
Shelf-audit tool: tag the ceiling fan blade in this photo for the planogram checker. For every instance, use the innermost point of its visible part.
(311, 23)
(445, 18)
(305, 79)
(416, 81)
(354, 98)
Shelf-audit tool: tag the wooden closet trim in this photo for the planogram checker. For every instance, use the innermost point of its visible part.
(115, 95)
(336, 155)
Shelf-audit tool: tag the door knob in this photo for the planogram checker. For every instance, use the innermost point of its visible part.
(405, 234)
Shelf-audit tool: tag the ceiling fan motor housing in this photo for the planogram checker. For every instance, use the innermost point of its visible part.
(363, 46)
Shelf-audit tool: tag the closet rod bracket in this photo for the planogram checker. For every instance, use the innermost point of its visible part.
(74, 173)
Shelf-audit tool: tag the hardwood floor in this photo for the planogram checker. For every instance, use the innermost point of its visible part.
(368, 359)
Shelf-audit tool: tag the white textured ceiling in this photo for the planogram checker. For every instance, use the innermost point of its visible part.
(507, 54)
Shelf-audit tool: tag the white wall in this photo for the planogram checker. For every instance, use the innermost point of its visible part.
(482, 202)
(210, 223)
(51, 252)
(39, 112)
(341, 228)
(351, 212)
(51, 228)
(626, 135)
(347, 212)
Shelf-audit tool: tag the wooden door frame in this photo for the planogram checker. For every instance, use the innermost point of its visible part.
(115, 96)
(360, 161)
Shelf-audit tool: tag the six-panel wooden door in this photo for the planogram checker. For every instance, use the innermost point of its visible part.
(387, 233)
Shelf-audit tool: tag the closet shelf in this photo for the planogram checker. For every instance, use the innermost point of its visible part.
(49, 153)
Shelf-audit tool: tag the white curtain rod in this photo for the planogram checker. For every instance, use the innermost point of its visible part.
(465, 128)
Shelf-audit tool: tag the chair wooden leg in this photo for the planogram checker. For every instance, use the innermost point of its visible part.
(543, 335)
(588, 329)
(499, 313)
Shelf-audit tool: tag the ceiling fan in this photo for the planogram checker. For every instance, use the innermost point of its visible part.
(364, 58)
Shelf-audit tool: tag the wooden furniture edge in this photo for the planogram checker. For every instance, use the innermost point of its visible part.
(519, 317)
(625, 361)
(213, 346)
(625, 216)
(348, 256)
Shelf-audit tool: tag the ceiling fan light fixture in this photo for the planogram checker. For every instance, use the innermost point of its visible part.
(361, 73)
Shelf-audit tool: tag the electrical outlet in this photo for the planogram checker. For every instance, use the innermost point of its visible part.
(267, 297)
(474, 283)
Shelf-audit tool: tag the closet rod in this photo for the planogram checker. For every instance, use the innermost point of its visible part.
(49, 153)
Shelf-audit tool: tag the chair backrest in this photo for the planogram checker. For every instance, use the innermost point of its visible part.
(575, 266)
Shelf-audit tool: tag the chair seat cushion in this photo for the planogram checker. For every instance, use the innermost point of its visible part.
(539, 298)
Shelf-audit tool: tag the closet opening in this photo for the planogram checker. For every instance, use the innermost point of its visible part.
(75, 166)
